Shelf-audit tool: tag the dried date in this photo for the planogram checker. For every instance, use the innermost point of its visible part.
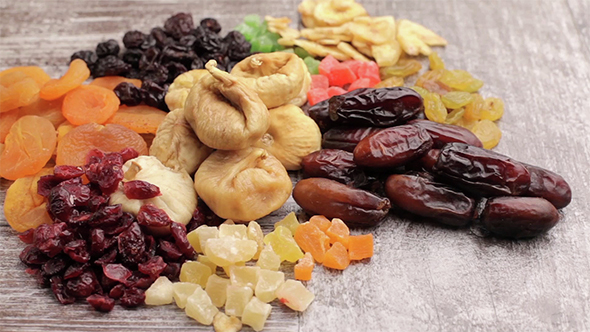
(518, 217)
(442, 134)
(336, 200)
(424, 197)
(427, 161)
(392, 147)
(320, 112)
(548, 185)
(346, 138)
(333, 164)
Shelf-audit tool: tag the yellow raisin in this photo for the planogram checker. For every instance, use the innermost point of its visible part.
(487, 132)
(430, 81)
(467, 124)
(493, 109)
(435, 61)
(403, 68)
(434, 109)
(423, 92)
(390, 82)
(456, 99)
(473, 109)
(455, 115)
(461, 80)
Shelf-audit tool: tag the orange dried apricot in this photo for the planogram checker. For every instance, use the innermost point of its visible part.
(23, 207)
(63, 129)
(50, 110)
(338, 232)
(89, 103)
(7, 119)
(311, 239)
(28, 147)
(34, 72)
(337, 257)
(304, 267)
(111, 82)
(77, 73)
(142, 119)
(16, 90)
(321, 222)
(75, 145)
(360, 247)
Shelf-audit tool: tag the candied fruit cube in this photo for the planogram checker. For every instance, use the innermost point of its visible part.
(370, 70)
(304, 267)
(228, 250)
(195, 272)
(341, 75)
(205, 260)
(255, 234)
(354, 65)
(321, 222)
(226, 268)
(255, 314)
(338, 232)
(200, 308)
(160, 292)
(268, 259)
(319, 82)
(237, 298)
(360, 246)
(336, 91)
(199, 236)
(360, 83)
(315, 96)
(225, 323)
(268, 283)
(216, 288)
(235, 231)
(337, 257)
(327, 64)
(312, 65)
(283, 244)
(244, 275)
(181, 291)
(311, 239)
(290, 221)
(294, 295)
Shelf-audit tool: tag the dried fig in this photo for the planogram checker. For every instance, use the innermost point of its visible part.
(177, 146)
(224, 112)
(243, 185)
(291, 136)
(179, 89)
(277, 77)
(301, 99)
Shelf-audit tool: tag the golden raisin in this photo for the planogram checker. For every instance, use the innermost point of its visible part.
(434, 109)
(487, 132)
(473, 109)
(493, 109)
(435, 61)
(403, 68)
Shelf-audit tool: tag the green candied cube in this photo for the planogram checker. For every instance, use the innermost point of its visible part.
(253, 20)
(312, 65)
(246, 30)
(262, 44)
(302, 53)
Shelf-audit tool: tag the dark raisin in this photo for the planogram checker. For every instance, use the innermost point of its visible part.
(153, 95)
(156, 73)
(153, 267)
(109, 47)
(148, 58)
(128, 94)
(88, 56)
(197, 63)
(132, 297)
(111, 65)
(174, 70)
(59, 290)
(179, 25)
(238, 47)
(211, 24)
(132, 57)
(131, 244)
(176, 53)
(101, 302)
(187, 40)
(207, 41)
(160, 37)
(133, 39)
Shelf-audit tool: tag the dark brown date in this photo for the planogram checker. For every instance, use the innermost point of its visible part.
(482, 172)
(427, 161)
(392, 147)
(346, 138)
(518, 217)
(332, 199)
(429, 199)
(333, 164)
(549, 185)
(320, 112)
(442, 134)
(383, 107)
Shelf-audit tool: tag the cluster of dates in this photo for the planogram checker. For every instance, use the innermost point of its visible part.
(373, 140)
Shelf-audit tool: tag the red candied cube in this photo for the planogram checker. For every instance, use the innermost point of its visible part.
(354, 65)
(319, 82)
(315, 96)
(336, 91)
(360, 83)
(341, 75)
(370, 70)
(326, 65)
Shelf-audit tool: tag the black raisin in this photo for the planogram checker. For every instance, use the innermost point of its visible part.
(128, 94)
(156, 73)
(176, 53)
(207, 41)
(153, 95)
(133, 39)
(179, 25)
(132, 56)
(149, 57)
(88, 56)
(109, 47)
(197, 63)
(187, 41)
(174, 69)
(111, 66)
(160, 37)
(238, 47)
(211, 24)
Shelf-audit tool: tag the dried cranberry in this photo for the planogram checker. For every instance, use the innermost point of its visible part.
(46, 183)
(59, 290)
(110, 65)
(138, 189)
(211, 24)
(67, 195)
(169, 250)
(99, 242)
(128, 94)
(75, 270)
(107, 173)
(131, 244)
(109, 47)
(124, 222)
(207, 41)
(128, 153)
(83, 285)
(87, 56)
(238, 47)
(79, 219)
(179, 233)
(172, 271)
(203, 216)
(101, 302)
(106, 216)
(96, 202)
(133, 39)
(32, 255)
(132, 57)
(77, 251)
(66, 172)
(94, 156)
(117, 291)
(107, 258)
(153, 267)
(179, 25)
(47, 239)
(140, 280)
(132, 297)
(55, 265)
(116, 272)
(150, 246)
(27, 236)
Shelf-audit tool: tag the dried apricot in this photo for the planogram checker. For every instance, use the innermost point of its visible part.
(75, 145)
(493, 109)
(487, 132)
(28, 147)
(50, 110)
(111, 82)
(7, 119)
(73, 78)
(23, 207)
(142, 119)
(63, 129)
(89, 103)
(16, 90)
(34, 72)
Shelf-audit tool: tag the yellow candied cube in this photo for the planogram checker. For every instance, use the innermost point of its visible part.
(226, 268)
(269, 260)
(200, 308)
(268, 283)
(255, 234)
(255, 314)
(294, 295)
(228, 250)
(237, 298)
(216, 288)
(283, 243)
(235, 231)
(181, 291)
(225, 323)
(195, 272)
(205, 260)
(244, 275)
(199, 237)
(290, 221)
(160, 292)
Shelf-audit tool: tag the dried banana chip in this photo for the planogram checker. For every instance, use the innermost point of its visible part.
(374, 30)
(306, 9)
(415, 39)
(386, 54)
(337, 12)
(351, 52)
(316, 49)
(281, 26)
(362, 47)
(329, 42)
(287, 42)
(341, 32)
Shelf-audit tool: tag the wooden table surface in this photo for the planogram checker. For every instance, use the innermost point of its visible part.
(533, 54)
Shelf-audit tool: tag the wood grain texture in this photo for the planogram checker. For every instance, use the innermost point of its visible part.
(423, 277)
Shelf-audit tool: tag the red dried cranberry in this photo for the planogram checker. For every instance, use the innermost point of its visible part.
(153, 267)
(99, 242)
(75, 270)
(67, 195)
(79, 219)
(124, 222)
(33, 256)
(66, 172)
(27, 236)
(116, 272)
(140, 280)
(106, 283)
(169, 250)
(179, 233)
(59, 290)
(94, 156)
(107, 172)
(107, 258)
(77, 251)
(172, 271)
(47, 239)
(138, 189)
(128, 153)
(107, 216)
(46, 183)
(83, 285)
(151, 215)
(117, 291)
(55, 265)
(204, 216)
(101, 302)
(132, 297)
(131, 244)
(150, 246)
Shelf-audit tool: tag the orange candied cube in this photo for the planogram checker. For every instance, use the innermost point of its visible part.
(322, 222)
(304, 267)
(338, 232)
(311, 239)
(360, 246)
(337, 257)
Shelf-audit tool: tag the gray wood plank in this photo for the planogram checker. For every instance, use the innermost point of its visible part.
(423, 277)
